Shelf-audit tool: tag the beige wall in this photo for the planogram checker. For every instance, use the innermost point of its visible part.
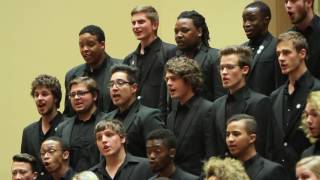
(41, 36)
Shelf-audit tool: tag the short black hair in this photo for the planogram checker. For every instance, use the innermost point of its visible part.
(263, 8)
(166, 135)
(26, 158)
(64, 145)
(250, 122)
(132, 72)
(93, 30)
(200, 22)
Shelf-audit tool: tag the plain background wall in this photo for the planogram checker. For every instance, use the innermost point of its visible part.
(41, 36)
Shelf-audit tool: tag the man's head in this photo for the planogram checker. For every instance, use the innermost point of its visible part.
(311, 115)
(55, 155)
(123, 85)
(83, 94)
(183, 77)
(24, 167)
(110, 137)
(234, 66)
(256, 17)
(46, 91)
(292, 49)
(92, 44)
(191, 30)
(145, 22)
(241, 135)
(161, 149)
(298, 10)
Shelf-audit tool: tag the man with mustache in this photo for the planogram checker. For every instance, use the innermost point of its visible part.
(265, 75)
(305, 21)
(289, 100)
(97, 65)
(46, 92)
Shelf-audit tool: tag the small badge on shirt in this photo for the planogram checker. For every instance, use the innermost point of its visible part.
(261, 47)
(298, 106)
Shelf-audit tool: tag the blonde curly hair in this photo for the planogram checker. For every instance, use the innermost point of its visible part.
(226, 169)
(314, 99)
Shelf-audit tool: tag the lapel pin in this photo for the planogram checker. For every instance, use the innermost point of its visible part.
(298, 106)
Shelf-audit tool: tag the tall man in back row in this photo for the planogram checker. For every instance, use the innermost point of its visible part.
(97, 66)
(150, 56)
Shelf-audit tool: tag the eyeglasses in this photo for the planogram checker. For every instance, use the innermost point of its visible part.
(227, 66)
(78, 93)
(49, 151)
(119, 83)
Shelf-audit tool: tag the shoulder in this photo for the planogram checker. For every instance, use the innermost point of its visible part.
(276, 92)
(308, 152)
(273, 170)
(220, 100)
(129, 57)
(144, 110)
(76, 69)
(31, 127)
(185, 175)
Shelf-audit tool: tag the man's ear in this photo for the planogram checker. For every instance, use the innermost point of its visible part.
(253, 138)
(245, 70)
(35, 175)
(172, 153)
(303, 54)
(200, 33)
(65, 155)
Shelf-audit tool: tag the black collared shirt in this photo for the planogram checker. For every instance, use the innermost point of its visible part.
(182, 111)
(255, 44)
(68, 175)
(291, 103)
(133, 168)
(53, 124)
(312, 34)
(82, 144)
(121, 116)
(233, 102)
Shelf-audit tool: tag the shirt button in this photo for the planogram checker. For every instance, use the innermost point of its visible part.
(42, 173)
(282, 160)
(285, 144)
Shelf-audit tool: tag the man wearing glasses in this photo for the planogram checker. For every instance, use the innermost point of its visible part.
(138, 119)
(234, 68)
(78, 130)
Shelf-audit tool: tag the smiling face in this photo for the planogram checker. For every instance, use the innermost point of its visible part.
(109, 142)
(187, 35)
(143, 28)
(45, 100)
(159, 155)
(254, 23)
(91, 49)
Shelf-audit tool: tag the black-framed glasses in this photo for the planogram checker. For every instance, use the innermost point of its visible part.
(119, 83)
(78, 93)
(227, 66)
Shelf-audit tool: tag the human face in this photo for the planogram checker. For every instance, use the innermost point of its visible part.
(122, 95)
(143, 28)
(84, 100)
(178, 88)
(91, 49)
(109, 142)
(238, 140)
(289, 59)
(303, 173)
(297, 10)
(52, 156)
(232, 75)
(187, 35)
(254, 24)
(313, 120)
(22, 171)
(159, 155)
(45, 101)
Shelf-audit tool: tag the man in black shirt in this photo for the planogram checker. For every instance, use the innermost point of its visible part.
(289, 100)
(46, 91)
(117, 164)
(161, 150)
(55, 156)
(78, 130)
(150, 56)
(241, 134)
(138, 120)
(307, 22)
(191, 118)
(234, 68)
(265, 75)
(97, 66)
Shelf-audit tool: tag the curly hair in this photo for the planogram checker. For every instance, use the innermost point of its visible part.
(187, 69)
(226, 169)
(50, 82)
(200, 22)
(314, 99)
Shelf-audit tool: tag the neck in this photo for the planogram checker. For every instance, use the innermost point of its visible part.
(146, 42)
(241, 84)
(85, 116)
(296, 74)
(306, 22)
(46, 119)
(61, 172)
(114, 161)
(188, 96)
(97, 65)
(168, 171)
(126, 106)
(251, 152)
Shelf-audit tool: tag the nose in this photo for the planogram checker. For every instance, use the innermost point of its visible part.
(18, 176)
(152, 156)
(230, 138)
(104, 138)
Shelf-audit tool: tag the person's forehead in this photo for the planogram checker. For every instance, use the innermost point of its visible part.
(21, 165)
(119, 75)
(230, 58)
(50, 144)
(80, 85)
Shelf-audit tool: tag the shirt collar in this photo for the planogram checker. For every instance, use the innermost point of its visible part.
(238, 95)
(152, 45)
(250, 161)
(102, 66)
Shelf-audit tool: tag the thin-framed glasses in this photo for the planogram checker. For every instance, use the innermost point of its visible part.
(78, 93)
(119, 83)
